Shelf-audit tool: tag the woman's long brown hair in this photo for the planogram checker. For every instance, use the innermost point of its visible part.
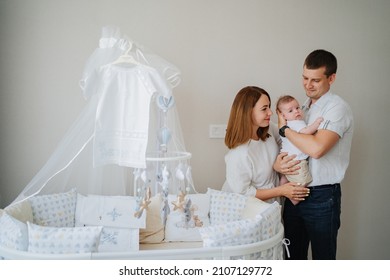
(239, 128)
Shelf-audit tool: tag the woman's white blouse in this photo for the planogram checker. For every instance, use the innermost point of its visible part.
(250, 166)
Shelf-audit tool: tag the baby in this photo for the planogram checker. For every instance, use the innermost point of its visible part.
(289, 108)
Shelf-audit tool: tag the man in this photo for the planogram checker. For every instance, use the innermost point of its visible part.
(317, 219)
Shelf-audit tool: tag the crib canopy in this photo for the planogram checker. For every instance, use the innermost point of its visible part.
(128, 135)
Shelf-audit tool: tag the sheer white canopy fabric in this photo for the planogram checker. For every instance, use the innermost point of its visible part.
(128, 135)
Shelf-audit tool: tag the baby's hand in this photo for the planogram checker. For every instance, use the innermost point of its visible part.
(319, 120)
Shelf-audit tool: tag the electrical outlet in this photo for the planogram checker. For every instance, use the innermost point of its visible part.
(217, 130)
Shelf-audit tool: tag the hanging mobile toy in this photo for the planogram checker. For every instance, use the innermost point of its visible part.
(165, 103)
(189, 179)
(143, 193)
(164, 135)
(165, 174)
(144, 204)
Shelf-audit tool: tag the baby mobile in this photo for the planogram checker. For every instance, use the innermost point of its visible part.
(161, 171)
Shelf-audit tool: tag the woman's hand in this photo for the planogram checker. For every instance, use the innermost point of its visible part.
(285, 164)
(294, 191)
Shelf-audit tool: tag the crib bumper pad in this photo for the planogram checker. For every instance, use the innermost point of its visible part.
(257, 233)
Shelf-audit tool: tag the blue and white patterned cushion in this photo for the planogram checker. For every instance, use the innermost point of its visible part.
(259, 222)
(55, 210)
(272, 220)
(225, 206)
(233, 233)
(13, 233)
(65, 240)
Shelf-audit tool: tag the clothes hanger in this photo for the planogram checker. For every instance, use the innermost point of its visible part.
(127, 58)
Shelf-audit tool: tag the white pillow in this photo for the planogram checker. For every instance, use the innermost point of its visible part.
(233, 233)
(56, 210)
(21, 211)
(109, 211)
(154, 230)
(253, 207)
(13, 233)
(225, 206)
(118, 240)
(65, 240)
(177, 228)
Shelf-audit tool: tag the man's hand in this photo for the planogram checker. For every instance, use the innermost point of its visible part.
(281, 120)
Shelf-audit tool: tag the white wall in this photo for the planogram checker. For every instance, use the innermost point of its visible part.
(220, 46)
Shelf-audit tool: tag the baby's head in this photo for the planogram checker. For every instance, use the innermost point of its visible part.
(289, 107)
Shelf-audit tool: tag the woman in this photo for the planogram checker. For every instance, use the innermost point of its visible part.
(253, 155)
